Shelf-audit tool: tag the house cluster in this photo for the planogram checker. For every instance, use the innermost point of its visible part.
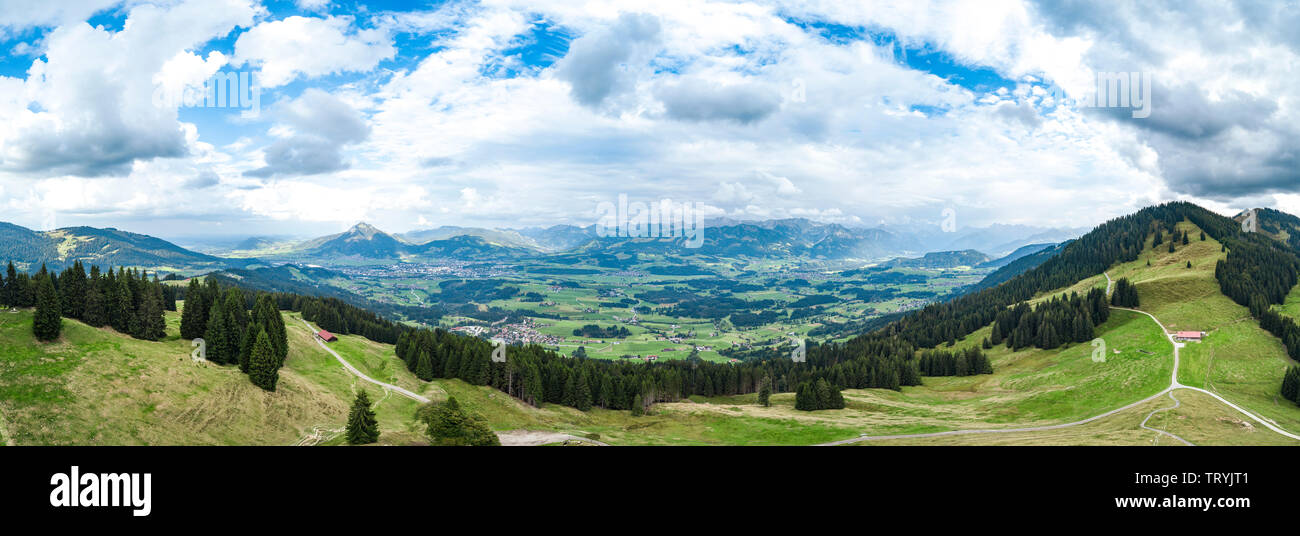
(473, 331)
(524, 332)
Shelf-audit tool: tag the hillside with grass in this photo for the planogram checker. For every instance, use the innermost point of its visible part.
(95, 386)
(1237, 359)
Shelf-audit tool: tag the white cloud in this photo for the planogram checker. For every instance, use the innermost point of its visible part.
(87, 108)
(309, 47)
(726, 104)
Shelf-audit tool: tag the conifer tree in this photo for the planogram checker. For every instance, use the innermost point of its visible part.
(153, 327)
(582, 395)
(217, 336)
(48, 322)
(765, 393)
(123, 310)
(96, 310)
(362, 426)
(450, 425)
(246, 346)
(424, 366)
(262, 368)
(10, 294)
(194, 317)
(1291, 384)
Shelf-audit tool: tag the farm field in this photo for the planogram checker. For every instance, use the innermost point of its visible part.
(715, 309)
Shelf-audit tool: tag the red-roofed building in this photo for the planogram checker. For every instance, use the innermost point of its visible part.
(1189, 335)
(326, 336)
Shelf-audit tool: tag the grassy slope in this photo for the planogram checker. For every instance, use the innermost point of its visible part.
(1030, 387)
(98, 387)
(1238, 360)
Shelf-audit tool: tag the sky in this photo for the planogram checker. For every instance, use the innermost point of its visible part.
(505, 113)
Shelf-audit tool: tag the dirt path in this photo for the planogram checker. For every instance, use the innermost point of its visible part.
(1161, 410)
(512, 438)
(533, 438)
(358, 373)
(1173, 384)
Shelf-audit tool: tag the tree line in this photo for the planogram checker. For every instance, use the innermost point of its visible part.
(1125, 294)
(237, 328)
(1119, 240)
(815, 395)
(1057, 321)
(129, 301)
(537, 375)
(968, 362)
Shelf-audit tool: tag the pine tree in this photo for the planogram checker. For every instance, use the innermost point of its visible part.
(217, 336)
(450, 425)
(582, 397)
(48, 322)
(424, 366)
(765, 394)
(10, 295)
(153, 327)
(123, 310)
(362, 426)
(262, 368)
(638, 406)
(1291, 384)
(194, 316)
(246, 346)
(96, 314)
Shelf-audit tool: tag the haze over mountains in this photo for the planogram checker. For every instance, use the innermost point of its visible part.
(766, 238)
(785, 238)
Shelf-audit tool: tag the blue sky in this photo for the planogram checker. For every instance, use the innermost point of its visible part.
(514, 113)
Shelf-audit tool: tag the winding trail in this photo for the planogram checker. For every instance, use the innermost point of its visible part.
(1161, 410)
(357, 373)
(508, 438)
(1173, 385)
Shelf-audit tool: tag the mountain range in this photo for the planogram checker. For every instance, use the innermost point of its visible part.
(795, 238)
(29, 249)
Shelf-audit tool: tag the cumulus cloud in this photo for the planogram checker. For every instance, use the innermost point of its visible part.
(737, 106)
(696, 100)
(87, 107)
(311, 46)
(319, 126)
(604, 63)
